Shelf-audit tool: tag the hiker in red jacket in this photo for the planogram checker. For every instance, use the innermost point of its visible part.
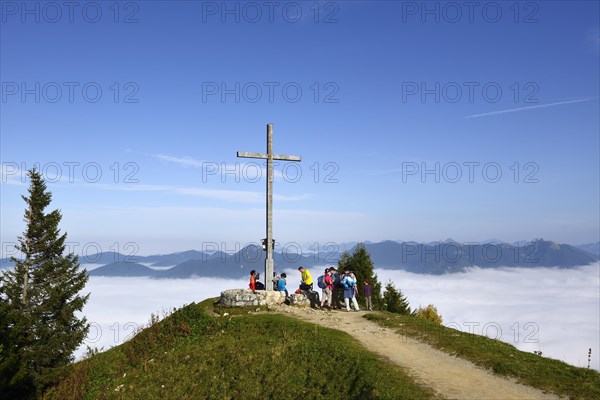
(327, 290)
(252, 281)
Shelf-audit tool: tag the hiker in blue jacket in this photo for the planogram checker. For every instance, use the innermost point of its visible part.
(281, 285)
(349, 284)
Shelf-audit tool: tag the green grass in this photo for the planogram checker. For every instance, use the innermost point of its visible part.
(194, 355)
(502, 358)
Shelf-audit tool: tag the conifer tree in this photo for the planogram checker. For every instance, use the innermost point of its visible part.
(394, 301)
(362, 266)
(40, 299)
(343, 260)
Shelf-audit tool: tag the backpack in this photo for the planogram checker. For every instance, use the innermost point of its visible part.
(321, 282)
(348, 282)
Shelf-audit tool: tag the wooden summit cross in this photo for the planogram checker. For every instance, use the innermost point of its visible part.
(269, 157)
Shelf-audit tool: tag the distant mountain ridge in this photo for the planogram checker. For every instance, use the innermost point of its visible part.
(450, 257)
(123, 269)
(423, 258)
(592, 248)
(439, 257)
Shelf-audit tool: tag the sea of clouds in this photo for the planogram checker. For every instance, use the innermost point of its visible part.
(555, 311)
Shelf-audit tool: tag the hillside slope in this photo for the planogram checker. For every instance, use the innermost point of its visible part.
(459, 365)
(196, 353)
(191, 355)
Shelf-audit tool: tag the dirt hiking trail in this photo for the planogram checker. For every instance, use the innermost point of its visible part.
(450, 377)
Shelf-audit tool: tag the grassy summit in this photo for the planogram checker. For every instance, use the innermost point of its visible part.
(192, 355)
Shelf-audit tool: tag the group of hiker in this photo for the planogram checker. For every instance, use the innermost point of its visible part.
(333, 285)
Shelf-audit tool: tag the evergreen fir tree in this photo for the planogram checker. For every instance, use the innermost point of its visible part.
(360, 262)
(40, 299)
(394, 301)
(343, 261)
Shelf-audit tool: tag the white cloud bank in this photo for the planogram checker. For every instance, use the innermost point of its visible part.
(549, 310)
(555, 311)
(118, 306)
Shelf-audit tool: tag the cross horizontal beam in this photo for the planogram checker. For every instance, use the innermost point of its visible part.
(245, 154)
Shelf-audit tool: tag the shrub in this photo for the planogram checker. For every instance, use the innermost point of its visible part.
(429, 313)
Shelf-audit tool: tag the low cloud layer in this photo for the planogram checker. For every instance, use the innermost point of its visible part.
(119, 306)
(553, 311)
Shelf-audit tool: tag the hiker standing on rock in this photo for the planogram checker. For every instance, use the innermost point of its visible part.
(349, 283)
(252, 281)
(281, 285)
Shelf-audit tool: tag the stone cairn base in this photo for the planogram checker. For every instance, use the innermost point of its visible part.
(245, 298)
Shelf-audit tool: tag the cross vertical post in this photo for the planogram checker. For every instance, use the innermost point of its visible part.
(269, 264)
(269, 156)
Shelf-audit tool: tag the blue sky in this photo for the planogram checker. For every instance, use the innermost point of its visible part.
(135, 111)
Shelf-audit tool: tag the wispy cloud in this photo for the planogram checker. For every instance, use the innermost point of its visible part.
(510, 110)
(238, 196)
(182, 161)
(374, 172)
(12, 175)
(255, 170)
